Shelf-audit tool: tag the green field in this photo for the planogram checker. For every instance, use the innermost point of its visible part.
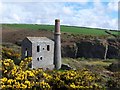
(69, 29)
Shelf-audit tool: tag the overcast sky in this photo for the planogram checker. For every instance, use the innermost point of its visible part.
(85, 13)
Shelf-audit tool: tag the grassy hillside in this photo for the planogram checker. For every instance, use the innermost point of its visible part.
(69, 29)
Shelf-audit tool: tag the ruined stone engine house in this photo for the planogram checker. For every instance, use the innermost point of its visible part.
(45, 52)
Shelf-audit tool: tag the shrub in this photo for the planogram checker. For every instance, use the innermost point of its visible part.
(22, 77)
(11, 54)
(114, 81)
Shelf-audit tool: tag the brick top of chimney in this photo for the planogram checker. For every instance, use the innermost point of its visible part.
(57, 26)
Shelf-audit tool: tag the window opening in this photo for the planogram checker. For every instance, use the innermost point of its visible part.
(38, 48)
(48, 47)
(26, 53)
(38, 58)
(41, 58)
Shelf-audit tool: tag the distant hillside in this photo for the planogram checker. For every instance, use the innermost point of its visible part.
(75, 41)
(68, 29)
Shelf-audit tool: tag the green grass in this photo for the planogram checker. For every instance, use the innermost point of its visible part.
(68, 29)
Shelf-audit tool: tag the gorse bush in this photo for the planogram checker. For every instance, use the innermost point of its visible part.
(16, 75)
(22, 77)
(11, 54)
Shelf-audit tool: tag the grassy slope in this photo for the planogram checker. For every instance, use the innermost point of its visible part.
(69, 29)
(92, 64)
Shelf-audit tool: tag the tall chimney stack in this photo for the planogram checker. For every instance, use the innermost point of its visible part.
(57, 49)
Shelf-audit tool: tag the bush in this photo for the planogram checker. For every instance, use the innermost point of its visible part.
(114, 81)
(11, 54)
(22, 77)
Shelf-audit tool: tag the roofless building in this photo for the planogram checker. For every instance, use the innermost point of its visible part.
(45, 52)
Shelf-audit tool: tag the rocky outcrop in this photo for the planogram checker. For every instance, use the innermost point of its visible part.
(69, 50)
(92, 49)
(67, 67)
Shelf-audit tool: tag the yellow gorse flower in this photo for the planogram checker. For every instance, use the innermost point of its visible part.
(28, 83)
(4, 79)
(6, 64)
(44, 85)
(22, 77)
(10, 81)
(23, 86)
(5, 71)
(3, 86)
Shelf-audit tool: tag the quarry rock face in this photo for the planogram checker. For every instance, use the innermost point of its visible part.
(91, 49)
(69, 50)
(113, 52)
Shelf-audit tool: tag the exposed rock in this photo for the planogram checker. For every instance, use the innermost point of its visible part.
(66, 67)
(69, 50)
(95, 48)
(90, 50)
